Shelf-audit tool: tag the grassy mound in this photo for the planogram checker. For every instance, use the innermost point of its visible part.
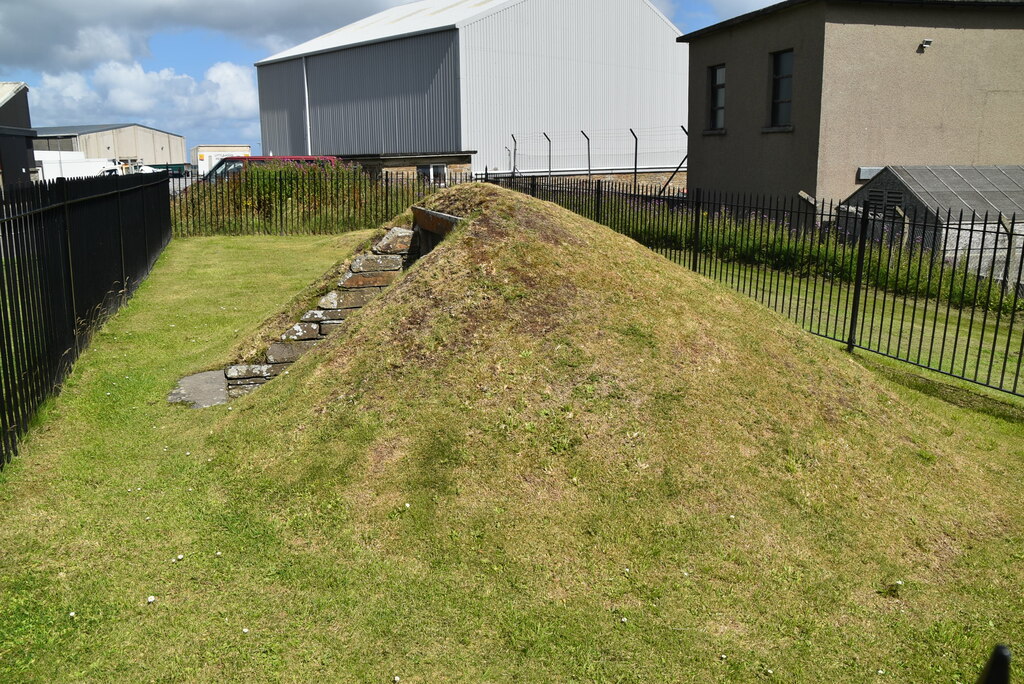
(546, 454)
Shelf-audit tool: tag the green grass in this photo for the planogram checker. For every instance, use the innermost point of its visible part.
(977, 345)
(583, 432)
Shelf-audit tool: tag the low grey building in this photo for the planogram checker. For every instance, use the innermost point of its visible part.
(972, 213)
(16, 134)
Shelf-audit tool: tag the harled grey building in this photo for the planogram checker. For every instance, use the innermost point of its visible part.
(817, 95)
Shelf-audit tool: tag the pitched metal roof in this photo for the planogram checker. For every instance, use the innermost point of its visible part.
(982, 189)
(771, 9)
(415, 18)
(67, 131)
(425, 16)
(9, 89)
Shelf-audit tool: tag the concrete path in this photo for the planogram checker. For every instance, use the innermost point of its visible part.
(202, 390)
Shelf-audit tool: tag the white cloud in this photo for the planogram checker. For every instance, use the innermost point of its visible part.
(72, 34)
(93, 44)
(87, 57)
(223, 102)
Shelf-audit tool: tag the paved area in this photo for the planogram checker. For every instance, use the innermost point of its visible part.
(202, 390)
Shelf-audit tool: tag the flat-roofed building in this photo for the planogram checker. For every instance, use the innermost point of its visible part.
(817, 95)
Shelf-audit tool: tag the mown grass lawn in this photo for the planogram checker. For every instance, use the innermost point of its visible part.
(980, 346)
(619, 475)
(113, 482)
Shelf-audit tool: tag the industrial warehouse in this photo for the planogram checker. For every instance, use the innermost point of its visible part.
(499, 85)
(124, 142)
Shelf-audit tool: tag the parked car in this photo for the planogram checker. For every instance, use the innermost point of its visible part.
(230, 166)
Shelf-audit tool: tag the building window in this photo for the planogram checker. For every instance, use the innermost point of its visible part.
(716, 80)
(433, 173)
(782, 88)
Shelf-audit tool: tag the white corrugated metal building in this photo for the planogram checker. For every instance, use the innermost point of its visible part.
(489, 81)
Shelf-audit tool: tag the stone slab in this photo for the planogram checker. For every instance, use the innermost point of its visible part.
(314, 316)
(247, 381)
(201, 391)
(354, 299)
(328, 328)
(397, 241)
(369, 279)
(243, 372)
(239, 392)
(326, 315)
(288, 352)
(301, 331)
(376, 262)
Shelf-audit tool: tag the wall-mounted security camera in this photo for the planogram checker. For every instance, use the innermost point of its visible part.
(925, 44)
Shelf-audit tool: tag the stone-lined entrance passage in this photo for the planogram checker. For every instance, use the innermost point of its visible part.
(366, 276)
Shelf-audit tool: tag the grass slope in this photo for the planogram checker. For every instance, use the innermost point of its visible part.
(545, 455)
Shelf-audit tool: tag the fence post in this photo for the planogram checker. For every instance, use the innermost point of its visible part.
(862, 244)
(597, 202)
(66, 197)
(697, 217)
(533, 186)
(120, 238)
(997, 671)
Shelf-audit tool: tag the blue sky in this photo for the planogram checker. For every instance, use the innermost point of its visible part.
(186, 65)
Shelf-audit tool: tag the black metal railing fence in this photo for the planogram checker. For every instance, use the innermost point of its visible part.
(934, 288)
(71, 252)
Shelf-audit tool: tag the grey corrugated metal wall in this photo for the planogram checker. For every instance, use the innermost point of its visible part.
(559, 66)
(397, 97)
(282, 108)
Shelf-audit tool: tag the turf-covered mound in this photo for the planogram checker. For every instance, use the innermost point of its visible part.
(548, 454)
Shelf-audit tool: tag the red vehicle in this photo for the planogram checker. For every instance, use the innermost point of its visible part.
(230, 166)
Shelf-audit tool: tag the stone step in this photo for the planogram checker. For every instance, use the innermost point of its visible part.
(247, 382)
(376, 262)
(397, 241)
(326, 315)
(335, 300)
(376, 279)
(244, 372)
(288, 352)
(301, 332)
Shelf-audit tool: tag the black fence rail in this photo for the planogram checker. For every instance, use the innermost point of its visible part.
(71, 252)
(938, 289)
(298, 200)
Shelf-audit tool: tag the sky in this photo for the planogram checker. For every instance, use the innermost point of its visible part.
(186, 66)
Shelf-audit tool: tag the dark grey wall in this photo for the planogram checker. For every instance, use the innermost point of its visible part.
(15, 112)
(282, 108)
(399, 97)
(749, 156)
(16, 158)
